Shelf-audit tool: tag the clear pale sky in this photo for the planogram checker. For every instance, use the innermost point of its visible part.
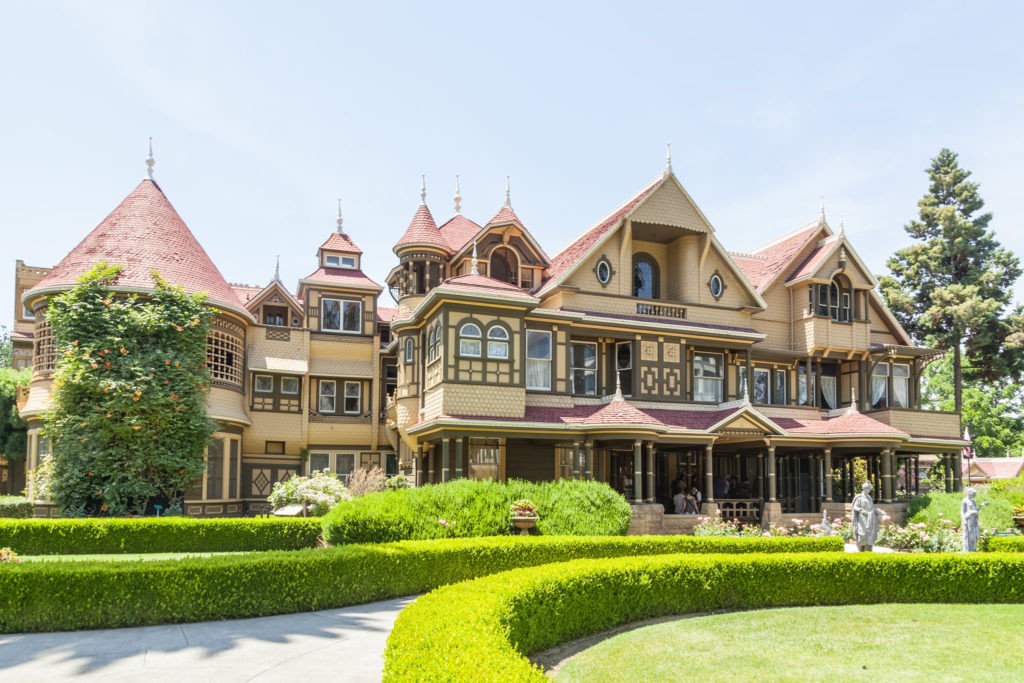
(263, 115)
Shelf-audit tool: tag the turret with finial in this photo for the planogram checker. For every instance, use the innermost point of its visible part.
(150, 161)
(423, 189)
(508, 192)
(668, 158)
(475, 262)
(458, 195)
(341, 221)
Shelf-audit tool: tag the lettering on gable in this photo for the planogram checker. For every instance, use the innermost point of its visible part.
(661, 310)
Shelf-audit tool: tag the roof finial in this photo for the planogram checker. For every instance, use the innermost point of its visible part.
(458, 195)
(842, 228)
(618, 385)
(508, 192)
(822, 213)
(277, 269)
(341, 220)
(150, 161)
(476, 261)
(423, 189)
(668, 158)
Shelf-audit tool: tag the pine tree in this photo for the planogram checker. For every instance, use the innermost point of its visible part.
(952, 290)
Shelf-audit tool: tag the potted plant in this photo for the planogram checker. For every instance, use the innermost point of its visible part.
(524, 515)
(1018, 515)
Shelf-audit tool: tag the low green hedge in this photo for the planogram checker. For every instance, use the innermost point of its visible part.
(156, 535)
(15, 506)
(467, 508)
(1005, 544)
(480, 630)
(61, 596)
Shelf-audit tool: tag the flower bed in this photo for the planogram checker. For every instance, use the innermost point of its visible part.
(480, 630)
(60, 596)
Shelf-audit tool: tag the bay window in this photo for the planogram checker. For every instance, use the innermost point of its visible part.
(584, 368)
(708, 373)
(339, 315)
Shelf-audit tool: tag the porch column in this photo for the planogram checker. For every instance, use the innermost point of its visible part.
(433, 463)
(650, 472)
(828, 475)
(445, 460)
(638, 479)
(576, 460)
(588, 460)
(886, 476)
(947, 466)
(709, 475)
(958, 472)
(459, 458)
(760, 476)
(417, 466)
(771, 474)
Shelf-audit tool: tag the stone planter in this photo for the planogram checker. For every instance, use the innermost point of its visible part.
(524, 523)
(1018, 520)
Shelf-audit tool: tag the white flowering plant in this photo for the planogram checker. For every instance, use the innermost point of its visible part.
(320, 492)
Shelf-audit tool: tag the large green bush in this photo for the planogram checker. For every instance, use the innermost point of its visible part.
(156, 535)
(60, 596)
(468, 508)
(480, 630)
(15, 506)
(1005, 544)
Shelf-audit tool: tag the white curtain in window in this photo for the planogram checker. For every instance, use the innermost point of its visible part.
(879, 383)
(899, 392)
(828, 391)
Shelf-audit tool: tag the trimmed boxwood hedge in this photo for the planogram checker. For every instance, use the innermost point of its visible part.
(58, 596)
(92, 536)
(467, 508)
(15, 506)
(1005, 544)
(479, 630)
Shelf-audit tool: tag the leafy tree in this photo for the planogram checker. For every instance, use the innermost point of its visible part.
(13, 429)
(128, 421)
(6, 347)
(992, 410)
(953, 288)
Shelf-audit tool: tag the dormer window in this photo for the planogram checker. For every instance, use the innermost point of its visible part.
(336, 261)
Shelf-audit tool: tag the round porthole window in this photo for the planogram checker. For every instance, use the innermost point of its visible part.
(716, 285)
(604, 272)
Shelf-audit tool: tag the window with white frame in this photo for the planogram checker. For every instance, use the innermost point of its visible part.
(708, 373)
(335, 261)
(353, 398)
(264, 384)
(624, 366)
(290, 385)
(340, 315)
(341, 464)
(900, 385)
(538, 359)
(410, 350)
(469, 340)
(584, 368)
(880, 386)
(328, 402)
(762, 386)
(497, 342)
(434, 343)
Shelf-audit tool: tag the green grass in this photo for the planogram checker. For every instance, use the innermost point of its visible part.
(120, 557)
(876, 642)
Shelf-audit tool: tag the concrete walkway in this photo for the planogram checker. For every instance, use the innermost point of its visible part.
(333, 645)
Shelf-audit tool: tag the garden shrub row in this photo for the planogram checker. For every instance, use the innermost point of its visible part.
(467, 508)
(60, 596)
(15, 506)
(156, 535)
(1005, 544)
(480, 630)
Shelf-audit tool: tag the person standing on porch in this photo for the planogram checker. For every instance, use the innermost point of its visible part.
(678, 501)
(695, 492)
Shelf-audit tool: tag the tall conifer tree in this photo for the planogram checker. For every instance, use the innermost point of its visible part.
(953, 288)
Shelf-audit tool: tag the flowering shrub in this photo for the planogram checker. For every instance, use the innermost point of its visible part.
(321, 492)
(523, 507)
(919, 537)
(8, 555)
(716, 526)
(399, 481)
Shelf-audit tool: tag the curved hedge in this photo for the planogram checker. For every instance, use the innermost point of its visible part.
(467, 508)
(479, 630)
(92, 536)
(1005, 544)
(61, 596)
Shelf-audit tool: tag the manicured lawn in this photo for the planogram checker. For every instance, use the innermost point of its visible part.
(117, 558)
(871, 642)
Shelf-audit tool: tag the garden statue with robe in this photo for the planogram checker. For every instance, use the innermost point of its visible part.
(969, 526)
(865, 519)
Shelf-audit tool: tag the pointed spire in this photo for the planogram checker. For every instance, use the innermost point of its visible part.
(668, 158)
(508, 192)
(277, 269)
(458, 195)
(842, 228)
(423, 189)
(821, 215)
(150, 161)
(476, 262)
(618, 386)
(341, 220)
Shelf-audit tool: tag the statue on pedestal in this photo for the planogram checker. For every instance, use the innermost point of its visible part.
(865, 519)
(969, 526)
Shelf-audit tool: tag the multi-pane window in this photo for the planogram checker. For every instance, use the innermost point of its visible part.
(434, 343)
(410, 350)
(339, 315)
(469, 340)
(645, 277)
(880, 386)
(275, 393)
(538, 359)
(484, 455)
(328, 396)
(390, 380)
(264, 384)
(44, 357)
(900, 385)
(334, 261)
(497, 342)
(624, 366)
(584, 368)
(224, 355)
(353, 398)
(708, 373)
(831, 301)
(341, 464)
(290, 385)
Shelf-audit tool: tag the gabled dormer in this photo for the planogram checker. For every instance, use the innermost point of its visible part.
(339, 251)
(275, 306)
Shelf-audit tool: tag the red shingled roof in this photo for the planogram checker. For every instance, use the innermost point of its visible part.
(245, 293)
(458, 232)
(422, 230)
(145, 233)
(341, 242)
(505, 215)
(817, 256)
(564, 260)
(484, 284)
(848, 423)
(339, 277)
(385, 314)
(764, 265)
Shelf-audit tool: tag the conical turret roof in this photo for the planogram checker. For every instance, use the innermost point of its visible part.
(422, 231)
(144, 234)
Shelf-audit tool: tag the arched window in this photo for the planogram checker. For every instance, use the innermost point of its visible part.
(645, 277)
(497, 342)
(410, 349)
(839, 301)
(504, 266)
(434, 343)
(469, 340)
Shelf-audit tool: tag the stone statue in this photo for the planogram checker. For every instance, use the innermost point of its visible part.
(969, 526)
(826, 526)
(865, 519)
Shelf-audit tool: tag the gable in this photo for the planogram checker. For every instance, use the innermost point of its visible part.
(884, 327)
(823, 262)
(670, 205)
(747, 422)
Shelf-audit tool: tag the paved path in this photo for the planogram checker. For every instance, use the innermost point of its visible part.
(333, 645)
